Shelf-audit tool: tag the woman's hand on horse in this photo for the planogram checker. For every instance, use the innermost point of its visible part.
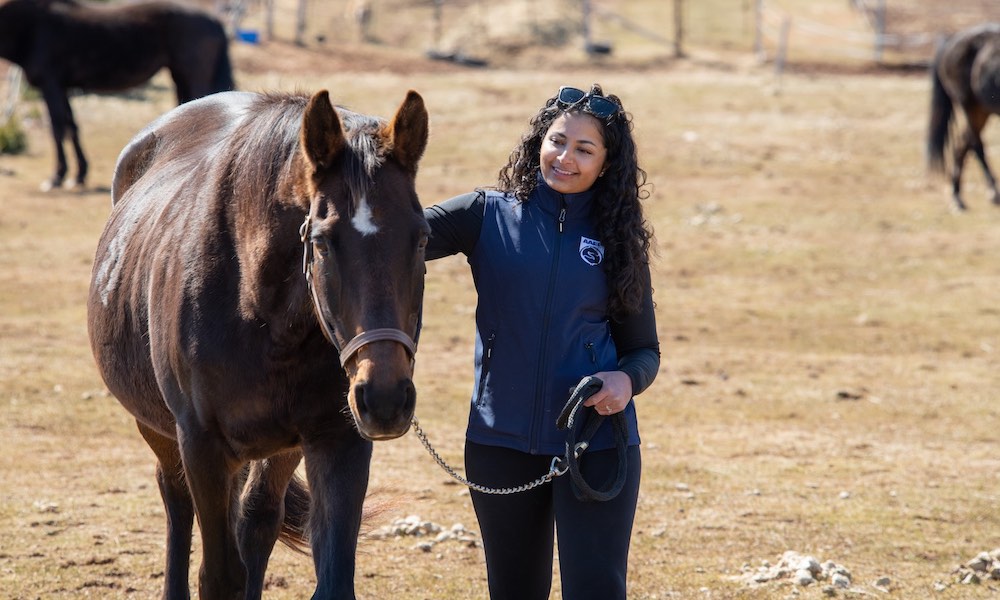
(613, 395)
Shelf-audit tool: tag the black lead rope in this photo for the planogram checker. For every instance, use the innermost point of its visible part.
(587, 387)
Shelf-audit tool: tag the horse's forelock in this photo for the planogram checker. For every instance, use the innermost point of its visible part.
(366, 153)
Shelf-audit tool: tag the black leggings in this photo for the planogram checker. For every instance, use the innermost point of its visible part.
(518, 529)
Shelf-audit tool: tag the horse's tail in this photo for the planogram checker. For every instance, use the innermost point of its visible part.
(942, 115)
(295, 529)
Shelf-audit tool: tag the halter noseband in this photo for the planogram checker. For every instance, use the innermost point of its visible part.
(362, 339)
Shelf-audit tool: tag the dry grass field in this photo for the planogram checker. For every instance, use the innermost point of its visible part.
(830, 330)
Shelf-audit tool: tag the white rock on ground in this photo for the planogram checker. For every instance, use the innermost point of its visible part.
(414, 526)
(985, 566)
(803, 570)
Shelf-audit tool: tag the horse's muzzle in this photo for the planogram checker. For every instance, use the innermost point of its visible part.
(383, 412)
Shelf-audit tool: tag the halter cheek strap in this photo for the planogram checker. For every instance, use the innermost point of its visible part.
(364, 338)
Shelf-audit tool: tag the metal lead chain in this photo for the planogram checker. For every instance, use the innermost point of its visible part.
(555, 470)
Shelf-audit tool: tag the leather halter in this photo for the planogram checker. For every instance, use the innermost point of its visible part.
(348, 350)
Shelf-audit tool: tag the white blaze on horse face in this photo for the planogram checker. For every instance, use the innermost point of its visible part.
(362, 219)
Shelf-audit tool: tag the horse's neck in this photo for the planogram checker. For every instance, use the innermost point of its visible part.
(266, 237)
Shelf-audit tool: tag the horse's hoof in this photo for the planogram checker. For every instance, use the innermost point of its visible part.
(46, 186)
(73, 186)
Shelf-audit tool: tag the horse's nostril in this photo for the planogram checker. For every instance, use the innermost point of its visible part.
(360, 401)
(410, 393)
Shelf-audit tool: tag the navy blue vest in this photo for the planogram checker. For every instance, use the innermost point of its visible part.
(541, 321)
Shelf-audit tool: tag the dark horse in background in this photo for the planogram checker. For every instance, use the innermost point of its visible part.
(965, 77)
(255, 298)
(71, 44)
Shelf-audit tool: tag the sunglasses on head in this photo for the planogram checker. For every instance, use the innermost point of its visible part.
(599, 106)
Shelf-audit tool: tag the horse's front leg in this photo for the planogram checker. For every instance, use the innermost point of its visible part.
(180, 512)
(211, 474)
(337, 471)
(263, 512)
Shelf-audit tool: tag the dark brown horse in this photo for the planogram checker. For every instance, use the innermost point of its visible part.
(965, 76)
(233, 362)
(70, 44)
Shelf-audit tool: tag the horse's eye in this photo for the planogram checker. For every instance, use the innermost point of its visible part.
(322, 246)
(422, 244)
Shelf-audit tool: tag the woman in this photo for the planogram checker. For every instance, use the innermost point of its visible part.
(559, 254)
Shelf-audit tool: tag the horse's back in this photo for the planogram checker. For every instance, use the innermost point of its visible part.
(180, 139)
(117, 45)
(957, 51)
(968, 65)
(164, 195)
(166, 182)
(986, 72)
(197, 52)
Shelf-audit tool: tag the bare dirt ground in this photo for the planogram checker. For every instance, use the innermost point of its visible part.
(830, 337)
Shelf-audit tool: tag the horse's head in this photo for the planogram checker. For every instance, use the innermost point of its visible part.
(364, 241)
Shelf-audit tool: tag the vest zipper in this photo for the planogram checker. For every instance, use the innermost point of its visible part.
(485, 370)
(540, 382)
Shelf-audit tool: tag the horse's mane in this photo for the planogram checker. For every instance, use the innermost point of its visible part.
(268, 142)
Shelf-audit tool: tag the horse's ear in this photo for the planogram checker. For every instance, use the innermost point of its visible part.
(322, 133)
(408, 131)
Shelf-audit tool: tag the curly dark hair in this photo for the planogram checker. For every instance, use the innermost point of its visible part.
(618, 193)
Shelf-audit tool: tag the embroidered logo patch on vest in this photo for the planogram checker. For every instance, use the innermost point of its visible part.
(591, 251)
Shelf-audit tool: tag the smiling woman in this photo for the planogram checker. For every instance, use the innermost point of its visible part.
(564, 225)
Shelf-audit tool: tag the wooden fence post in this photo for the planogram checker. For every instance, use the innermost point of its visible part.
(678, 28)
(779, 60)
(879, 30)
(438, 23)
(300, 24)
(758, 30)
(269, 19)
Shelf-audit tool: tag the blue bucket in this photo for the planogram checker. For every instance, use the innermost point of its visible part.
(248, 36)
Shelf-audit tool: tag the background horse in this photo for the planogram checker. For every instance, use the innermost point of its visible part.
(965, 74)
(69, 44)
(205, 328)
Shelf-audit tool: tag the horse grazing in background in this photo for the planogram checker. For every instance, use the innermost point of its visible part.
(255, 298)
(965, 75)
(71, 44)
